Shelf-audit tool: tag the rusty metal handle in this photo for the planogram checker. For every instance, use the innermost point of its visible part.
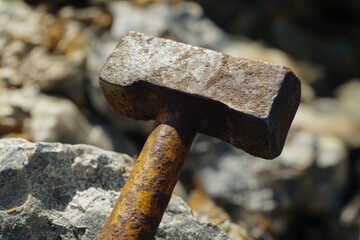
(143, 200)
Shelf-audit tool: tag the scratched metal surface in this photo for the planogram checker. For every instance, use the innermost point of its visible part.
(247, 103)
(241, 84)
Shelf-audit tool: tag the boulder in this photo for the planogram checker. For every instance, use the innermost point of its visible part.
(60, 191)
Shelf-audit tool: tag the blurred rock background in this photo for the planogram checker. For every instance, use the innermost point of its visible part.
(51, 53)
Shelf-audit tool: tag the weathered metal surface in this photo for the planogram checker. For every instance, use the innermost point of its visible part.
(189, 89)
(249, 104)
(144, 198)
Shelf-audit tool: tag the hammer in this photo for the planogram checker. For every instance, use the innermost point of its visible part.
(187, 89)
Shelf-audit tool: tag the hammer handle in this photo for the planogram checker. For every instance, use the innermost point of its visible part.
(143, 200)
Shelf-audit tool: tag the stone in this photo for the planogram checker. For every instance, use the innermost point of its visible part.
(309, 176)
(9, 77)
(11, 119)
(348, 97)
(96, 17)
(189, 24)
(14, 111)
(350, 214)
(53, 190)
(326, 116)
(48, 119)
(127, 16)
(179, 190)
(350, 217)
(40, 49)
(184, 21)
(59, 120)
(179, 223)
(51, 73)
(206, 210)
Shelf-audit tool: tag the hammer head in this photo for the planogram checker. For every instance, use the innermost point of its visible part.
(247, 103)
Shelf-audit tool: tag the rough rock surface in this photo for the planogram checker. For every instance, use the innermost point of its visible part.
(310, 175)
(52, 191)
(326, 116)
(48, 119)
(42, 46)
(41, 50)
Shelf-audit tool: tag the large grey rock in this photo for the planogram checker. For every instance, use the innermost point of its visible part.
(58, 191)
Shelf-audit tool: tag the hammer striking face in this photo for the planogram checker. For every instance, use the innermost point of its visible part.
(247, 103)
(188, 89)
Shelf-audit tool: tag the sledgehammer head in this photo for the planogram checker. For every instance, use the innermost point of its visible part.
(247, 103)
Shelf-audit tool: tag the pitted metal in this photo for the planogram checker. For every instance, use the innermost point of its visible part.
(187, 89)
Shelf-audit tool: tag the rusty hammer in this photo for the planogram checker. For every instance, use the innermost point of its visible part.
(187, 89)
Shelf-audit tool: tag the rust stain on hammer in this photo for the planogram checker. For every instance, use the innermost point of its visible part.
(140, 207)
(249, 104)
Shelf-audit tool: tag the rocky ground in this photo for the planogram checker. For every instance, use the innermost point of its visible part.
(50, 56)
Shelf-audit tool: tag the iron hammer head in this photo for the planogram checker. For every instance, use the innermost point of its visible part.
(247, 103)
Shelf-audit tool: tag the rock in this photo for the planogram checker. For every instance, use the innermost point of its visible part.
(96, 17)
(179, 223)
(57, 189)
(51, 73)
(42, 50)
(53, 190)
(184, 21)
(11, 119)
(59, 120)
(12, 113)
(52, 119)
(8, 77)
(179, 190)
(348, 97)
(326, 116)
(207, 211)
(309, 176)
(188, 24)
(350, 217)
(151, 20)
